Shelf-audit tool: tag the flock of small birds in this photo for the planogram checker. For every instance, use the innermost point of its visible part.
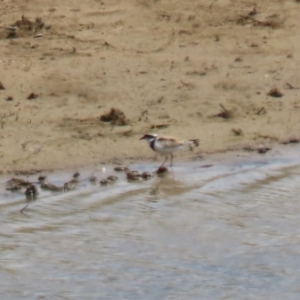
(161, 144)
(31, 190)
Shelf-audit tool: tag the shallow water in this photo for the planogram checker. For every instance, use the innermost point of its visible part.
(229, 231)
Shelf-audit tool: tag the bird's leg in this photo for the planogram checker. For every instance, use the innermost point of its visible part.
(171, 164)
(164, 162)
(22, 210)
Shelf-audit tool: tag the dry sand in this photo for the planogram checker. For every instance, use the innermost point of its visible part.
(168, 65)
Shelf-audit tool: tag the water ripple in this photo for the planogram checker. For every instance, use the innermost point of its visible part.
(230, 231)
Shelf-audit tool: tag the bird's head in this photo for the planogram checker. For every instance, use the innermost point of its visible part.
(149, 137)
(76, 175)
(42, 178)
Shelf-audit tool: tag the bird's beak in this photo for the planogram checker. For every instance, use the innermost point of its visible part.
(142, 137)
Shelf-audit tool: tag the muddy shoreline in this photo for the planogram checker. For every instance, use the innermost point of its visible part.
(225, 74)
(204, 160)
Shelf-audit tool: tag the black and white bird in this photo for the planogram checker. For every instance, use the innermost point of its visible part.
(167, 145)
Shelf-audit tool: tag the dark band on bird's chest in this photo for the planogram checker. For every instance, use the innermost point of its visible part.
(152, 144)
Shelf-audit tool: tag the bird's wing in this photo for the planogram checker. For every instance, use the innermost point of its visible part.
(169, 142)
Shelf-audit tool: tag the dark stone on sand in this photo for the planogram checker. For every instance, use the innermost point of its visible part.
(115, 116)
(276, 93)
(263, 150)
(32, 96)
(294, 141)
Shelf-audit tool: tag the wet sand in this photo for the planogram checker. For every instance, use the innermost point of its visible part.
(167, 66)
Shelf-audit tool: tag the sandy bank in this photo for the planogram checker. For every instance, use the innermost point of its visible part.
(167, 66)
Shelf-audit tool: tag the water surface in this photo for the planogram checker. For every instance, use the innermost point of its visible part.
(229, 231)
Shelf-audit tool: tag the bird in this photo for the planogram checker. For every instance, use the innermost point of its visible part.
(112, 178)
(119, 169)
(104, 182)
(132, 175)
(48, 186)
(31, 192)
(93, 178)
(146, 175)
(16, 184)
(31, 195)
(167, 145)
(71, 185)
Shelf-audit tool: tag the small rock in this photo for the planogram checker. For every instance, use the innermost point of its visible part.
(275, 93)
(115, 116)
(263, 150)
(294, 141)
(32, 96)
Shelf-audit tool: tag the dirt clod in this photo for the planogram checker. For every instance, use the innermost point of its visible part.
(237, 131)
(32, 96)
(263, 150)
(294, 141)
(23, 28)
(276, 93)
(115, 116)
